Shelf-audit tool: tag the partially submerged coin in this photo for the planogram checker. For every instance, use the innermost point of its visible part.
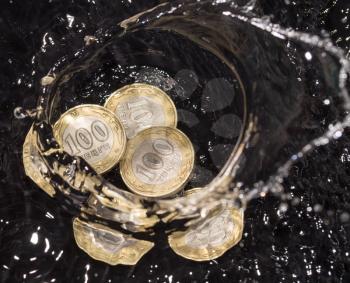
(211, 238)
(135, 220)
(34, 165)
(139, 106)
(94, 133)
(158, 162)
(108, 245)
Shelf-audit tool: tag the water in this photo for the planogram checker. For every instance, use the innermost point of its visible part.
(308, 226)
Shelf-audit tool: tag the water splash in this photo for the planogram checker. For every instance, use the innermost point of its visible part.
(261, 58)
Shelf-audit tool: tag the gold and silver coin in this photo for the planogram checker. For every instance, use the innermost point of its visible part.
(139, 106)
(158, 162)
(93, 133)
(211, 238)
(108, 245)
(34, 166)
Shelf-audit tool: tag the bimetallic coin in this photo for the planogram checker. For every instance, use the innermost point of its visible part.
(140, 106)
(211, 238)
(94, 133)
(34, 165)
(158, 162)
(108, 245)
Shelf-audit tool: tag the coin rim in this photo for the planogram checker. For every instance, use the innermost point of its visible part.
(124, 167)
(28, 165)
(177, 243)
(171, 118)
(111, 160)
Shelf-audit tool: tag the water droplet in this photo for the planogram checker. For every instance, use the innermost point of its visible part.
(326, 102)
(308, 56)
(283, 207)
(35, 238)
(337, 134)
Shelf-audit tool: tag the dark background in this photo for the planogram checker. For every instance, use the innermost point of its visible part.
(300, 246)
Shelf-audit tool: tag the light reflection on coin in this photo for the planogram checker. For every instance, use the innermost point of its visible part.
(94, 133)
(33, 165)
(139, 106)
(108, 245)
(158, 162)
(211, 238)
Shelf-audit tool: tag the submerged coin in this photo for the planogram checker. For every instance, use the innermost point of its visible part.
(34, 166)
(140, 106)
(108, 245)
(94, 133)
(211, 238)
(158, 162)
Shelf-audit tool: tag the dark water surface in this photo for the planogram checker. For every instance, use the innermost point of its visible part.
(307, 243)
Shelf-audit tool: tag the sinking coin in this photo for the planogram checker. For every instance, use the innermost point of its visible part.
(211, 238)
(34, 166)
(158, 162)
(139, 106)
(93, 133)
(110, 246)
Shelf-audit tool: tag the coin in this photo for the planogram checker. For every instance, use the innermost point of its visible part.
(110, 246)
(158, 162)
(93, 133)
(34, 165)
(139, 106)
(211, 238)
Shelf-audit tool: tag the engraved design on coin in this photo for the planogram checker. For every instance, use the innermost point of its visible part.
(213, 232)
(89, 138)
(140, 106)
(107, 242)
(156, 161)
(140, 113)
(93, 133)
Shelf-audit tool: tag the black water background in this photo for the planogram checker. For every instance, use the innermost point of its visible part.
(291, 247)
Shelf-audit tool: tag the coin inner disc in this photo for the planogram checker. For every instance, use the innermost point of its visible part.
(106, 241)
(88, 137)
(139, 113)
(156, 161)
(213, 232)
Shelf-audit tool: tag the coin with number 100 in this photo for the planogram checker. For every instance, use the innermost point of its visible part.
(158, 162)
(139, 106)
(94, 133)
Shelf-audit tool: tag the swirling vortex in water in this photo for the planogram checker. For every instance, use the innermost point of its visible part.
(275, 87)
(282, 74)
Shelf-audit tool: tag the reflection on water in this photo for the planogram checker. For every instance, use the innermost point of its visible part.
(291, 97)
